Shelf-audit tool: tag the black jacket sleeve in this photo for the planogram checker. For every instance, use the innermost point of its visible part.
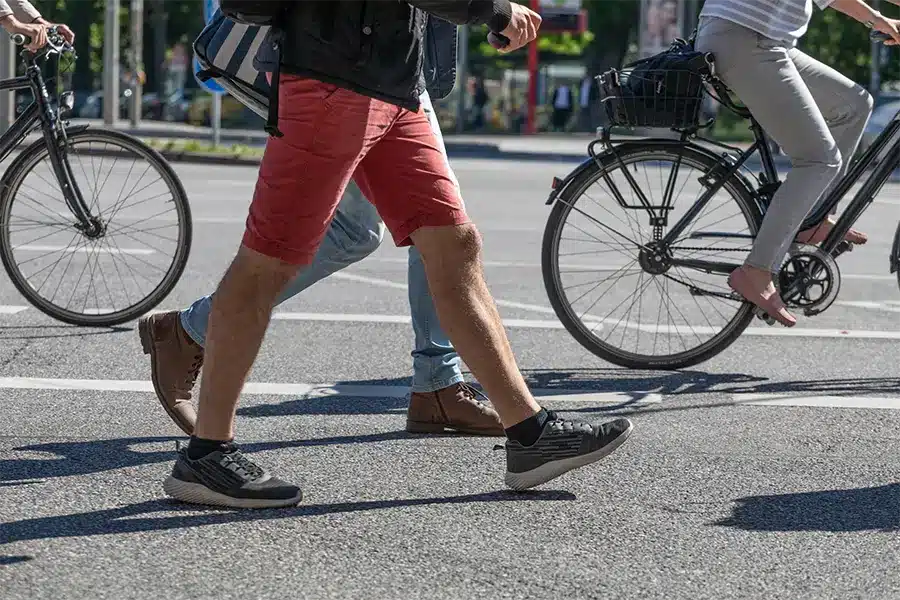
(496, 14)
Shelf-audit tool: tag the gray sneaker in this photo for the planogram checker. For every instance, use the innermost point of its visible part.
(563, 446)
(228, 478)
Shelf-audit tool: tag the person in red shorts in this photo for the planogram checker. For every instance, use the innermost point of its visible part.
(348, 107)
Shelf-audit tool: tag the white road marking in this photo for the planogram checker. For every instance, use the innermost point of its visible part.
(11, 310)
(402, 286)
(773, 399)
(317, 390)
(889, 306)
(404, 319)
(802, 332)
(84, 249)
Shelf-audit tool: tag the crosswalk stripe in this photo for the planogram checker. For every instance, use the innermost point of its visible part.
(11, 310)
(817, 401)
(317, 390)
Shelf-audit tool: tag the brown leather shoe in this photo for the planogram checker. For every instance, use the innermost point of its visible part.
(175, 361)
(456, 408)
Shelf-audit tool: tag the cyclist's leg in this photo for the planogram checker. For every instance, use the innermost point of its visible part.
(846, 106)
(355, 232)
(763, 75)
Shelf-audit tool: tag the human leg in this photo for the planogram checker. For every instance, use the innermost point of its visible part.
(175, 339)
(429, 214)
(763, 75)
(325, 132)
(846, 106)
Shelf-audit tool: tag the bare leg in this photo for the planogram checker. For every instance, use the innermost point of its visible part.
(241, 308)
(466, 310)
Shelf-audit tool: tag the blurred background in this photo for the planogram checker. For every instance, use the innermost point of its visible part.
(141, 50)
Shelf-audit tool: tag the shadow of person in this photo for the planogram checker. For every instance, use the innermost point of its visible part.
(855, 509)
(134, 518)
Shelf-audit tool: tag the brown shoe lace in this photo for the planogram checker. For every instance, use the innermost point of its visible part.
(194, 371)
(473, 394)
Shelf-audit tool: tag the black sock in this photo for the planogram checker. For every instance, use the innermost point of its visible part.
(528, 431)
(199, 447)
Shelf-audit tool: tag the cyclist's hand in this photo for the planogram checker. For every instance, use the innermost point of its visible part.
(522, 28)
(66, 33)
(890, 27)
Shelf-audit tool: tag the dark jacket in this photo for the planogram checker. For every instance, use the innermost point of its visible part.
(440, 57)
(376, 47)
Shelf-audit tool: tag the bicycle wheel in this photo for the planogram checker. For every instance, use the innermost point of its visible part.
(695, 316)
(106, 279)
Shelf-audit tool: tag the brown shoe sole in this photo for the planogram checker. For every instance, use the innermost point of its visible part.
(423, 427)
(148, 347)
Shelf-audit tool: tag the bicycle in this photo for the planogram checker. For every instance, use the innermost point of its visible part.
(808, 281)
(83, 227)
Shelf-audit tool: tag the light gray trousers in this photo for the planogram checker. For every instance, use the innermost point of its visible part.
(814, 113)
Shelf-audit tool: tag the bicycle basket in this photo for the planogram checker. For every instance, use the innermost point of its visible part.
(642, 97)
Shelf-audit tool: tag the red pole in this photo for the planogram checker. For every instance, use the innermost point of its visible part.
(531, 126)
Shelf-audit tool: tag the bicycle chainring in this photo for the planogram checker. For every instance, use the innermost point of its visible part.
(809, 279)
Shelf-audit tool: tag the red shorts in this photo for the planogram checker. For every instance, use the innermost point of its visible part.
(330, 135)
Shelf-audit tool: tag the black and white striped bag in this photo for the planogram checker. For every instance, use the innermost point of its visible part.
(225, 50)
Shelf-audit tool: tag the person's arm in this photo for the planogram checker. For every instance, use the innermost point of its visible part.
(496, 14)
(864, 13)
(516, 22)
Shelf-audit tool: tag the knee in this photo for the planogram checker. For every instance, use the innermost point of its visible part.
(254, 274)
(366, 241)
(865, 103)
(458, 245)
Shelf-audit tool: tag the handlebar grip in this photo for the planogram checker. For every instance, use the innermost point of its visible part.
(18, 39)
(498, 40)
(879, 36)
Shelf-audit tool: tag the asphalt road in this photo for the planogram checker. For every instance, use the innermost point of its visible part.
(769, 471)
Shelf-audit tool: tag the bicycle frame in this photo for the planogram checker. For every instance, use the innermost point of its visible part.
(40, 110)
(833, 244)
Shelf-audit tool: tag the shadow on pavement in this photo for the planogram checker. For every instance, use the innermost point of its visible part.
(128, 519)
(26, 332)
(12, 560)
(635, 384)
(95, 456)
(860, 509)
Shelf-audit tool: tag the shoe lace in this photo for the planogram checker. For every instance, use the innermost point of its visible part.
(472, 393)
(245, 467)
(194, 370)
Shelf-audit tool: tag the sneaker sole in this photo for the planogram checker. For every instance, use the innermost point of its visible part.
(552, 470)
(196, 493)
(148, 348)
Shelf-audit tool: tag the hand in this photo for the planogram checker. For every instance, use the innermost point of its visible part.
(66, 33)
(36, 32)
(889, 27)
(522, 29)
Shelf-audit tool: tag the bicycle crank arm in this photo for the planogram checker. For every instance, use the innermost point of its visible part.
(707, 266)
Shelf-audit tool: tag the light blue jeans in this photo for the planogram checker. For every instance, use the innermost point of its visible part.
(356, 232)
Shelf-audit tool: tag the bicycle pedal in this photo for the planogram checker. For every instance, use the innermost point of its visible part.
(764, 316)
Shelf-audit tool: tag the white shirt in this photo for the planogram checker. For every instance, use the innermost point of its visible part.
(780, 20)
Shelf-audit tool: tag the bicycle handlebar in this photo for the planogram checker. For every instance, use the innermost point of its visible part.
(879, 36)
(498, 40)
(55, 42)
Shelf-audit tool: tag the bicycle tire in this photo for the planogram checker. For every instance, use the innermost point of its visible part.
(30, 158)
(550, 264)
